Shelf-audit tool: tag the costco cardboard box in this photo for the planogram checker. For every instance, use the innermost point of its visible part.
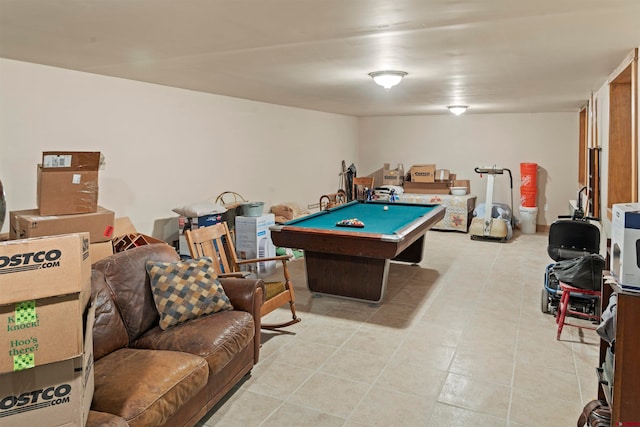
(30, 223)
(68, 182)
(45, 285)
(56, 394)
(423, 173)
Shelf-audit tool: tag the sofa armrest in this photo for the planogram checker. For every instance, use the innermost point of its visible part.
(242, 292)
(247, 295)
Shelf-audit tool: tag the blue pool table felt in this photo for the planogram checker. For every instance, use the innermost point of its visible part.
(375, 218)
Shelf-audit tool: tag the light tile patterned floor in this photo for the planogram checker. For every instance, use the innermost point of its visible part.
(458, 341)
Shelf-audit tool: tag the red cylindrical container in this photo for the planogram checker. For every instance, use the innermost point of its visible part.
(527, 197)
(528, 175)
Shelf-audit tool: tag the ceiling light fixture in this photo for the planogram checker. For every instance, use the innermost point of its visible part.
(457, 109)
(387, 79)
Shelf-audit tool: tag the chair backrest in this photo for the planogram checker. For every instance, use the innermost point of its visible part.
(214, 241)
(572, 239)
(359, 186)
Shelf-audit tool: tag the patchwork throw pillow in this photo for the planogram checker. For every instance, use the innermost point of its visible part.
(185, 290)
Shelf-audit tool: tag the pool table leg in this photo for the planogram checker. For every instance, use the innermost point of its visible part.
(413, 253)
(359, 278)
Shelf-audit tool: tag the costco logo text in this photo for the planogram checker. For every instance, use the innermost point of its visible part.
(30, 261)
(35, 399)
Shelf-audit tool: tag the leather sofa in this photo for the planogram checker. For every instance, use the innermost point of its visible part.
(146, 376)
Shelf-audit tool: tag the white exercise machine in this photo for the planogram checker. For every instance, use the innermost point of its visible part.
(488, 226)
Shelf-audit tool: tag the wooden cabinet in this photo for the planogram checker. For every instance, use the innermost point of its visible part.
(624, 399)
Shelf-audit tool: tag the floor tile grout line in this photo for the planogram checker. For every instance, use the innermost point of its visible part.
(515, 358)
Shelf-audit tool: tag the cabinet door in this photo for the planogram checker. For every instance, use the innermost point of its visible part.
(626, 383)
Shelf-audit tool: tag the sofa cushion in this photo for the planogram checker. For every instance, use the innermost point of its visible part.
(217, 337)
(127, 280)
(185, 290)
(146, 387)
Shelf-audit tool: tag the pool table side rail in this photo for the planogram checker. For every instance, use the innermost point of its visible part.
(356, 243)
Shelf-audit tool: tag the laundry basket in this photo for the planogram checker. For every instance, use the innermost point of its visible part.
(233, 202)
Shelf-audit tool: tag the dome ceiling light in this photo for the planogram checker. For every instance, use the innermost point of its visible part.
(388, 78)
(458, 109)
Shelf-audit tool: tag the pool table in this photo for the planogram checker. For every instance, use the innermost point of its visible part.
(354, 262)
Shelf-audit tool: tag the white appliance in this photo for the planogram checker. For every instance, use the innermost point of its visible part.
(625, 245)
(253, 240)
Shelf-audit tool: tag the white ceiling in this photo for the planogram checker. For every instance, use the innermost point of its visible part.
(497, 56)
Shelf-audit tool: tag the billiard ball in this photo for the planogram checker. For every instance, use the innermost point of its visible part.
(386, 208)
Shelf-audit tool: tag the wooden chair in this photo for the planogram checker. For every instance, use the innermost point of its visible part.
(216, 241)
(360, 186)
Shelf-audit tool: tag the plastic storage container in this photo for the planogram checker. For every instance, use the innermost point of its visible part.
(528, 219)
(252, 208)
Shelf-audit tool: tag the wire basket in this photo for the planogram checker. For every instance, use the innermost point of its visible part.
(233, 202)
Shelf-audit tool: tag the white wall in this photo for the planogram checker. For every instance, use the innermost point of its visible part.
(165, 146)
(461, 143)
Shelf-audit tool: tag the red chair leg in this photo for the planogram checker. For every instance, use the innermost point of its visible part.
(563, 308)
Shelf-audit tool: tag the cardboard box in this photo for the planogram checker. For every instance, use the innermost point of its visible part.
(124, 226)
(43, 267)
(423, 173)
(98, 251)
(188, 223)
(59, 392)
(426, 187)
(253, 240)
(68, 182)
(30, 223)
(392, 176)
(625, 244)
(45, 285)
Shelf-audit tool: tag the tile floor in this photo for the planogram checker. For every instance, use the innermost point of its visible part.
(458, 341)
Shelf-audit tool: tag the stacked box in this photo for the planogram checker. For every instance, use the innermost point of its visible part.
(30, 223)
(423, 173)
(46, 351)
(187, 223)
(392, 176)
(426, 187)
(45, 285)
(58, 392)
(253, 240)
(68, 182)
(463, 183)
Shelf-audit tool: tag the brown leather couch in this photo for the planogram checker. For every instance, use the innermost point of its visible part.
(145, 376)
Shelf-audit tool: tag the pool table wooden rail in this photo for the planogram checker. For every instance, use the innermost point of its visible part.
(357, 243)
